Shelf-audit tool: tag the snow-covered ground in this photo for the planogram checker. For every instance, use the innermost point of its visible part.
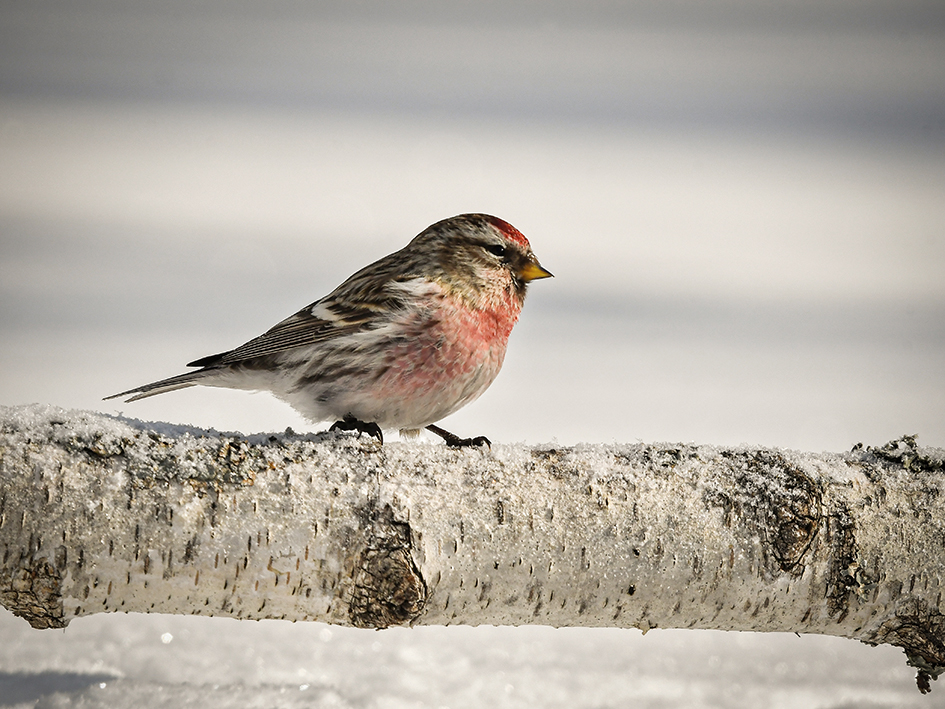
(744, 216)
(163, 661)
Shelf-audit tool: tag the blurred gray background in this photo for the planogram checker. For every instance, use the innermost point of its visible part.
(743, 204)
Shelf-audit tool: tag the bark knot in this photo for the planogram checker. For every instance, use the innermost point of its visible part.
(388, 588)
(779, 500)
(919, 630)
(34, 594)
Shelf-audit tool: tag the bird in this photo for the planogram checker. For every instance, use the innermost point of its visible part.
(401, 344)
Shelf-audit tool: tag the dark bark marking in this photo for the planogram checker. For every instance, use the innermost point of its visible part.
(388, 588)
(776, 499)
(33, 593)
(919, 631)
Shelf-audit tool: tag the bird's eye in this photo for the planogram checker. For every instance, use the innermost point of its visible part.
(496, 249)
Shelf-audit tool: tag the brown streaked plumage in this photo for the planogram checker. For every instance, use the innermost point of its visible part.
(402, 343)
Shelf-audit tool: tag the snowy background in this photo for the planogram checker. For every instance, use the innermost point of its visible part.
(742, 203)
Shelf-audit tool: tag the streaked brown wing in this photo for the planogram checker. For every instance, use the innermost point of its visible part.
(296, 331)
(353, 306)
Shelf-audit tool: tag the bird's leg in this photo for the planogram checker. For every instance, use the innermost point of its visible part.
(350, 423)
(454, 441)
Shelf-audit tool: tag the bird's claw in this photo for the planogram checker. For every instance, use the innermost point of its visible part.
(468, 442)
(454, 441)
(350, 423)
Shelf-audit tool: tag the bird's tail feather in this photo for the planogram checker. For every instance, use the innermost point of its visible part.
(181, 381)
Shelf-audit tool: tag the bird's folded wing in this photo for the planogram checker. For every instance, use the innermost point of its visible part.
(358, 304)
(300, 329)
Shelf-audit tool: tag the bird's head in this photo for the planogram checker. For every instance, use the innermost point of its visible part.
(481, 258)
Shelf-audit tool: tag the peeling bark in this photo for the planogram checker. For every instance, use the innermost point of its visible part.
(101, 514)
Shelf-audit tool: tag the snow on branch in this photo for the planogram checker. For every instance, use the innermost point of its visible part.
(101, 514)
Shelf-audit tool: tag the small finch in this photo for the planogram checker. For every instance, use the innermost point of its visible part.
(402, 343)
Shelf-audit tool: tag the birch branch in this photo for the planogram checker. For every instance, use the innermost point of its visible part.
(102, 514)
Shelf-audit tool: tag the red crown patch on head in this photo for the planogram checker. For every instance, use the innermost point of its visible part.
(510, 231)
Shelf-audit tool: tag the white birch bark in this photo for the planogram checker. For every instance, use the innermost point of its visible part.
(100, 514)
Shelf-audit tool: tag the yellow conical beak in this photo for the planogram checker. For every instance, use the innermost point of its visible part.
(532, 271)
